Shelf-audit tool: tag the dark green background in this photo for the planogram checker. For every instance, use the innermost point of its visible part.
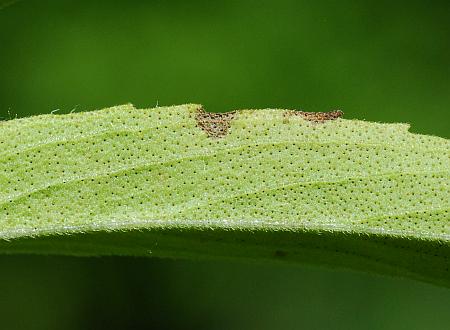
(383, 61)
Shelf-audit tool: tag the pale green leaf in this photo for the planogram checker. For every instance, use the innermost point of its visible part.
(255, 184)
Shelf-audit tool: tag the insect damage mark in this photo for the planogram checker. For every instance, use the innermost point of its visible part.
(214, 124)
(317, 117)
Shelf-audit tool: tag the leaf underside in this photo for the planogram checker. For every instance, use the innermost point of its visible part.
(253, 184)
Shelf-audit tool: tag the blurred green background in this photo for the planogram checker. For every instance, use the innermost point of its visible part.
(385, 61)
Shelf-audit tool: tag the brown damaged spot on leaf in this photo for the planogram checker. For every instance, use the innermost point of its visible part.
(317, 117)
(214, 124)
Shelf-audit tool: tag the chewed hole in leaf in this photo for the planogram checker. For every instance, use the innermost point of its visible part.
(214, 124)
(318, 117)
